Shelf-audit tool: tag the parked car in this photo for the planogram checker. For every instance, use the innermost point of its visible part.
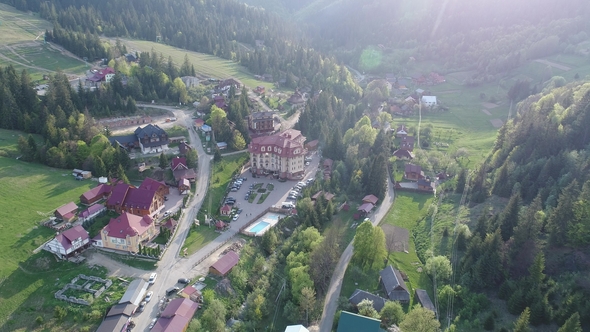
(141, 306)
(236, 217)
(244, 179)
(234, 189)
(172, 290)
(239, 211)
(184, 281)
(148, 297)
(152, 279)
(307, 163)
(153, 323)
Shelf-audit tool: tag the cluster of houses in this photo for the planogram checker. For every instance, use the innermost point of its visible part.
(393, 288)
(149, 139)
(137, 207)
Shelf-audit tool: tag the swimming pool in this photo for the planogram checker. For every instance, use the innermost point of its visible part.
(258, 227)
(271, 217)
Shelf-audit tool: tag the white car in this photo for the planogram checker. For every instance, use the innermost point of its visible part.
(148, 297)
(153, 323)
(152, 279)
(236, 217)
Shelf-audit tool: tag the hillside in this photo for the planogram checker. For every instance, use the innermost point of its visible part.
(536, 252)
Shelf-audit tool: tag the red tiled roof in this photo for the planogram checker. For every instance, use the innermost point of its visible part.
(286, 142)
(176, 316)
(127, 224)
(189, 290)
(366, 207)
(226, 208)
(139, 198)
(226, 263)
(170, 224)
(370, 199)
(118, 194)
(184, 173)
(199, 122)
(66, 238)
(178, 162)
(66, 209)
(91, 210)
(99, 190)
(151, 184)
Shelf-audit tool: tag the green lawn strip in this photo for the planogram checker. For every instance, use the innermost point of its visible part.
(198, 237)
(29, 291)
(177, 131)
(252, 197)
(262, 198)
(220, 178)
(139, 263)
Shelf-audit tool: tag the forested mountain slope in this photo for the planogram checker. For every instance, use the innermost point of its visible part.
(224, 28)
(537, 256)
(484, 35)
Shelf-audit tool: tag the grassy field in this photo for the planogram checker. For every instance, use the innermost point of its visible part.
(17, 26)
(9, 142)
(220, 178)
(205, 65)
(198, 237)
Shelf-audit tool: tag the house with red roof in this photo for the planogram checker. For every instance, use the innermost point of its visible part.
(91, 212)
(99, 76)
(365, 208)
(66, 212)
(176, 316)
(225, 210)
(148, 199)
(96, 194)
(160, 187)
(281, 155)
(224, 265)
(178, 163)
(127, 232)
(403, 154)
(184, 148)
(413, 172)
(68, 242)
(370, 199)
(191, 293)
(199, 123)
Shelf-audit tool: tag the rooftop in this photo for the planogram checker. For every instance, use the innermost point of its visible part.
(226, 263)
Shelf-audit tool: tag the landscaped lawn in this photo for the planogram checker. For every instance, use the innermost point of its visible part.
(177, 131)
(198, 237)
(220, 178)
(144, 264)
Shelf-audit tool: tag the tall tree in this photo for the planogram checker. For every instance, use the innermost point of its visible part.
(420, 319)
(572, 324)
(369, 246)
(522, 323)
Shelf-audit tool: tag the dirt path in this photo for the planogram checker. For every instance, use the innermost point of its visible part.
(116, 269)
(25, 65)
(553, 64)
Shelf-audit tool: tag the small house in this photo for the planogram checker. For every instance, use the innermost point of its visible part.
(407, 143)
(91, 212)
(413, 172)
(393, 285)
(220, 225)
(403, 154)
(184, 186)
(426, 185)
(96, 194)
(224, 265)
(365, 208)
(199, 123)
(428, 101)
(225, 210)
(296, 328)
(191, 293)
(66, 212)
(222, 145)
(69, 242)
(401, 131)
(135, 292)
(360, 295)
(184, 148)
(370, 199)
(176, 316)
(424, 300)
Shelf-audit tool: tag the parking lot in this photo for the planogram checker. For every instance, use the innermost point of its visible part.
(279, 193)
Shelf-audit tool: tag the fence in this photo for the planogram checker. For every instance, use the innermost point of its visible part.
(216, 248)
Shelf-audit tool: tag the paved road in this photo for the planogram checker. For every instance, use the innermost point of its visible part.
(331, 301)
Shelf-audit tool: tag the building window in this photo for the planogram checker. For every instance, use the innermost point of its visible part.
(262, 149)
